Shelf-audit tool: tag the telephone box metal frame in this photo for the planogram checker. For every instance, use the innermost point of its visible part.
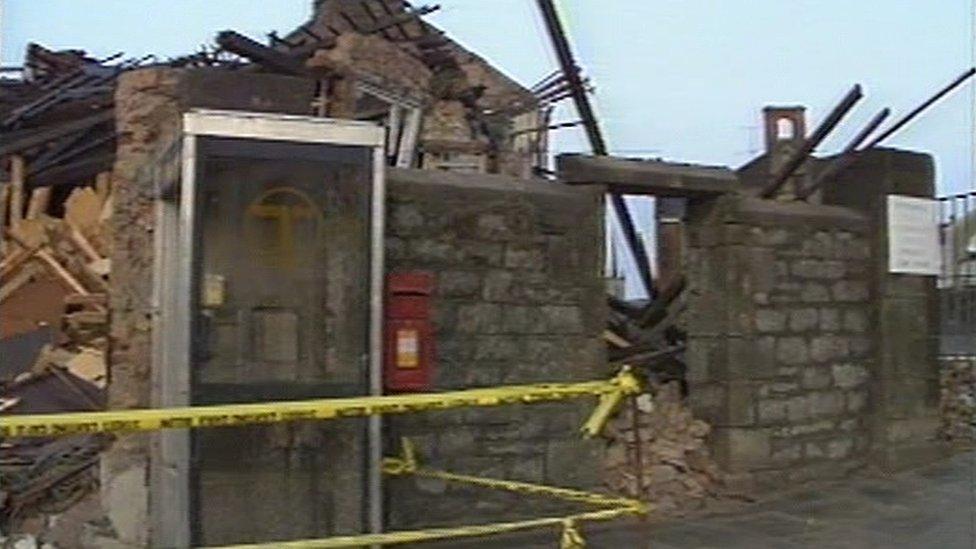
(169, 494)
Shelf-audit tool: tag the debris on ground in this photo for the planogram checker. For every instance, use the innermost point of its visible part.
(53, 287)
(677, 471)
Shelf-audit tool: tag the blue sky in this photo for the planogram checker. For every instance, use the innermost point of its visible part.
(679, 79)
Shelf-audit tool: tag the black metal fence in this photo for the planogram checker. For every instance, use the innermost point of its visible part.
(957, 282)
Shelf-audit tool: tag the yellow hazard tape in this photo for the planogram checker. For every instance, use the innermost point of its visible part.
(433, 534)
(406, 464)
(319, 409)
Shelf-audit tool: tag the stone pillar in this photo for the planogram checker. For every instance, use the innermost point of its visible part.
(148, 108)
(904, 315)
(147, 115)
(779, 359)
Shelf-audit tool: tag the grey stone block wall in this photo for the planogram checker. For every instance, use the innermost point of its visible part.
(904, 314)
(780, 351)
(518, 300)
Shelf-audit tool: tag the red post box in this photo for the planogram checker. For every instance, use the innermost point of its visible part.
(409, 336)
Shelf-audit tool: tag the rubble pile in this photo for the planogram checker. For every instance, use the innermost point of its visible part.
(957, 405)
(677, 471)
(53, 287)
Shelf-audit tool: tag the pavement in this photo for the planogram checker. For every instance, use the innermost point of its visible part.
(933, 506)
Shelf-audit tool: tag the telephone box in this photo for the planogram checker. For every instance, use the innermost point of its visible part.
(409, 351)
(269, 273)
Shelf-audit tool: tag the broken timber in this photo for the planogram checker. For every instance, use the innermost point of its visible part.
(576, 89)
(269, 57)
(847, 157)
(818, 135)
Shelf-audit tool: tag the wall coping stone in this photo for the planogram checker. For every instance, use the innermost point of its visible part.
(760, 211)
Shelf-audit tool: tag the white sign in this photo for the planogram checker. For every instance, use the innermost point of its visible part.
(913, 235)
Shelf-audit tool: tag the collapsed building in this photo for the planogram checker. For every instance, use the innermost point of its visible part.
(778, 347)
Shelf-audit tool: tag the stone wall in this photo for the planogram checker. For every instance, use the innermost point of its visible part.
(904, 314)
(148, 106)
(957, 405)
(518, 300)
(780, 358)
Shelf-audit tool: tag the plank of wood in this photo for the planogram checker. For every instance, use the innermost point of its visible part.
(101, 267)
(615, 340)
(17, 282)
(89, 364)
(106, 213)
(78, 267)
(86, 318)
(17, 173)
(86, 299)
(82, 243)
(8, 403)
(83, 208)
(31, 231)
(103, 186)
(4, 200)
(15, 261)
(61, 272)
(39, 200)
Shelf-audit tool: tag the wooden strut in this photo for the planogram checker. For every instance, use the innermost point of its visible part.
(846, 161)
(17, 172)
(818, 135)
(921, 108)
(571, 74)
(847, 157)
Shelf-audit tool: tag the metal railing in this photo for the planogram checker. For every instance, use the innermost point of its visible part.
(957, 281)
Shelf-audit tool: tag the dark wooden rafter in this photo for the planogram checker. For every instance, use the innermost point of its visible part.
(558, 126)
(27, 139)
(658, 311)
(389, 13)
(400, 18)
(850, 155)
(581, 99)
(819, 134)
(388, 33)
(545, 80)
(71, 152)
(903, 121)
(259, 53)
(73, 172)
(847, 156)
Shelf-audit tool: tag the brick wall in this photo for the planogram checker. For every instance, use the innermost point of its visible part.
(780, 356)
(518, 300)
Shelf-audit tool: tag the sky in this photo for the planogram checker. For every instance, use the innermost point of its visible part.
(682, 80)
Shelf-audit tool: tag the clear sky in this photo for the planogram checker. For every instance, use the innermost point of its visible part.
(679, 79)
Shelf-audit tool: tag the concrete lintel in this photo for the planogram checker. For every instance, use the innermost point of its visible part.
(649, 177)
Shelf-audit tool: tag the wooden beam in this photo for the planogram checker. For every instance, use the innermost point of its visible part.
(56, 268)
(646, 177)
(17, 189)
(61, 272)
(103, 185)
(26, 139)
(809, 144)
(577, 90)
(23, 277)
(14, 261)
(39, 200)
(4, 200)
(268, 57)
(82, 243)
